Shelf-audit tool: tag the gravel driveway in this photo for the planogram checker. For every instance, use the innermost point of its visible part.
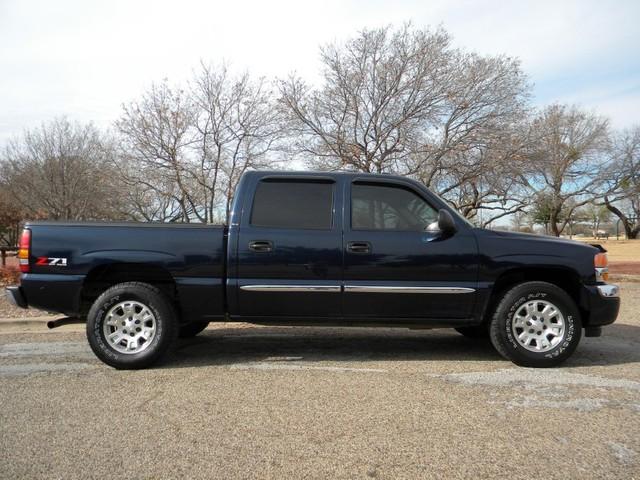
(256, 402)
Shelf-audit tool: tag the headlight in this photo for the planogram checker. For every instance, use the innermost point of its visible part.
(601, 264)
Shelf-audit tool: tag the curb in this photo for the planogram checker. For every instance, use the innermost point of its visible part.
(10, 321)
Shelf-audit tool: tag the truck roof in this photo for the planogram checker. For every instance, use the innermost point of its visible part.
(325, 174)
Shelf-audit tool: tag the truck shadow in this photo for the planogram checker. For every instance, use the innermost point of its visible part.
(620, 344)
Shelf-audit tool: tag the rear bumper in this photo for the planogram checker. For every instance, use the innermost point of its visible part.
(16, 297)
(602, 303)
(53, 293)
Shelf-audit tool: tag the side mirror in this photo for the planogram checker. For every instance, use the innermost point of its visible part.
(445, 224)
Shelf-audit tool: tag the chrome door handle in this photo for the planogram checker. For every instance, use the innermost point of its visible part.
(261, 246)
(359, 247)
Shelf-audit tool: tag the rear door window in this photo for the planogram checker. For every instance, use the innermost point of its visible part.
(295, 204)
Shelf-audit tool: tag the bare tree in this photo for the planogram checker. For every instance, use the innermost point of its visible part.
(185, 150)
(405, 101)
(521, 222)
(623, 196)
(157, 133)
(11, 216)
(60, 171)
(381, 91)
(566, 162)
(146, 194)
(484, 181)
(595, 215)
(238, 128)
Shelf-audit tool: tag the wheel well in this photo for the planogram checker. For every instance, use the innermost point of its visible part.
(566, 279)
(105, 276)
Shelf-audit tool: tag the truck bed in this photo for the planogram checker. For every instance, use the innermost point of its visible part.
(190, 255)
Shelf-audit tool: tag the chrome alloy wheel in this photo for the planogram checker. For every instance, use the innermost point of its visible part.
(129, 327)
(538, 326)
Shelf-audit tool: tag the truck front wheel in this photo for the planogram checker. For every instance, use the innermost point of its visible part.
(476, 331)
(131, 325)
(536, 324)
(192, 329)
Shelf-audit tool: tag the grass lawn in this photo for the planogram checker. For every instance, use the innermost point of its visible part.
(618, 250)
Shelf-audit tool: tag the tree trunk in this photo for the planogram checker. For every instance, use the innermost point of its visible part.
(629, 230)
(553, 223)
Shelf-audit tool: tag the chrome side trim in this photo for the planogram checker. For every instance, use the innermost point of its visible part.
(355, 289)
(391, 289)
(292, 288)
(608, 290)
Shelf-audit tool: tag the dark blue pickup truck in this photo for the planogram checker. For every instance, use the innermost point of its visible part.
(339, 249)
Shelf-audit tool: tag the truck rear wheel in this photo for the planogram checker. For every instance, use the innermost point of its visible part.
(131, 325)
(536, 324)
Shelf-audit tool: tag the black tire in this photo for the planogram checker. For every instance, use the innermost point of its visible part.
(502, 335)
(477, 331)
(166, 325)
(192, 329)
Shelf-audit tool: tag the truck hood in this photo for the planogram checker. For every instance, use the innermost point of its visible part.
(513, 250)
(539, 238)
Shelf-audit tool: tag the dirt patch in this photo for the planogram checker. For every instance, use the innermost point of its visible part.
(11, 261)
(9, 276)
(629, 303)
(618, 250)
(624, 268)
(7, 310)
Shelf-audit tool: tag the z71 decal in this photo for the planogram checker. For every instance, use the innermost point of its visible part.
(52, 261)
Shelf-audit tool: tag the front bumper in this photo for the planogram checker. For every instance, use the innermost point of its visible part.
(601, 303)
(608, 290)
(16, 297)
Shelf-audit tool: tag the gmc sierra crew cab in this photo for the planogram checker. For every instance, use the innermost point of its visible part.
(301, 248)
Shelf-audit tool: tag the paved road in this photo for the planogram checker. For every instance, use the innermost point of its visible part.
(259, 402)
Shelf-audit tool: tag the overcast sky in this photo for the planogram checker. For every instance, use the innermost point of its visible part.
(84, 58)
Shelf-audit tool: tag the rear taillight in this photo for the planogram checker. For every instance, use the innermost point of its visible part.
(601, 263)
(24, 250)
